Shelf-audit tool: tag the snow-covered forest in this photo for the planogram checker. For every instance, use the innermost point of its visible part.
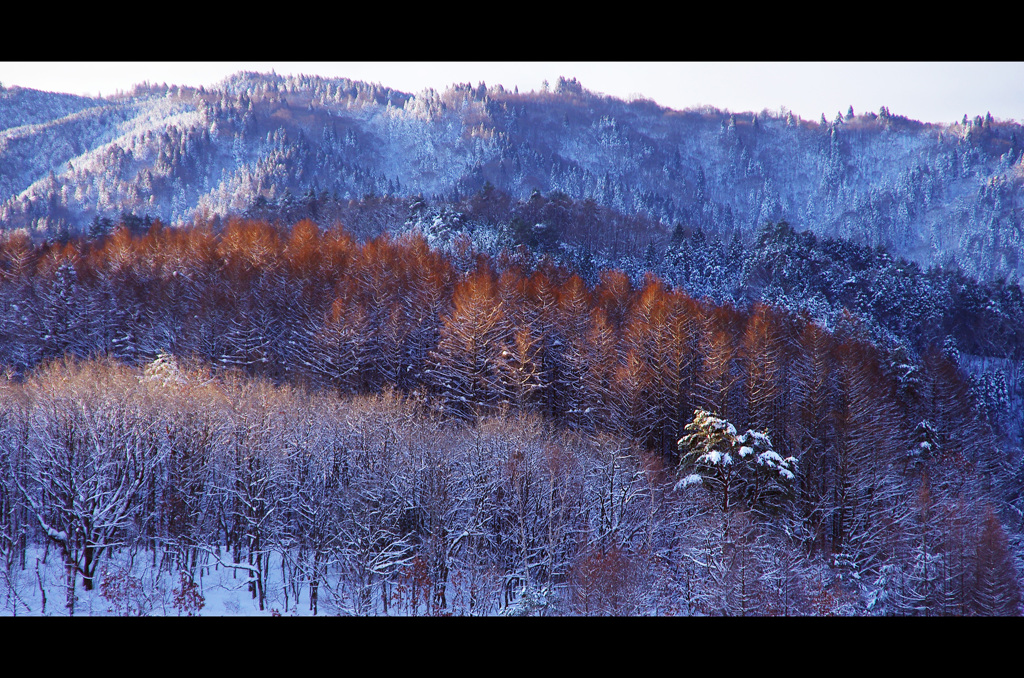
(374, 415)
(307, 346)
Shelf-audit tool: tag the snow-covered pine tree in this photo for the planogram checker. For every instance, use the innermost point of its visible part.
(742, 469)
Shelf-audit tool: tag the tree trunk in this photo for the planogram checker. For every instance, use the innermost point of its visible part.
(89, 568)
(72, 576)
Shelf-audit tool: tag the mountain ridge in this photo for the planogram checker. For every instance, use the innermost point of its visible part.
(934, 193)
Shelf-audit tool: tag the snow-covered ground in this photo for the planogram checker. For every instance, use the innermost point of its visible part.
(141, 589)
(133, 585)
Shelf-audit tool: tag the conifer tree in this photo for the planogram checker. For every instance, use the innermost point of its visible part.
(464, 365)
(742, 469)
(996, 584)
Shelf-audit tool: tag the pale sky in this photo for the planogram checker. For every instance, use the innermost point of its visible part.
(926, 91)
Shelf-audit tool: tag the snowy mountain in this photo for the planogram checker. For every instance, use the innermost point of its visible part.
(938, 194)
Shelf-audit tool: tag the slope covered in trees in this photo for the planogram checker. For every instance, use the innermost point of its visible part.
(901, 307)
(933, 193)
(568, 355)
(494, 433)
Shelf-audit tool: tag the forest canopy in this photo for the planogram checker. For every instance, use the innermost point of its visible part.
(381, 415)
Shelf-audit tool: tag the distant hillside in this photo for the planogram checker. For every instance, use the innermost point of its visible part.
(938, 194)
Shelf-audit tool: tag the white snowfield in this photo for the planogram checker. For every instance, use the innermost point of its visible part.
(130, 585)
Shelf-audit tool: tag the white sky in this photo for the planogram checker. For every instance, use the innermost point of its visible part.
(926, 91)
